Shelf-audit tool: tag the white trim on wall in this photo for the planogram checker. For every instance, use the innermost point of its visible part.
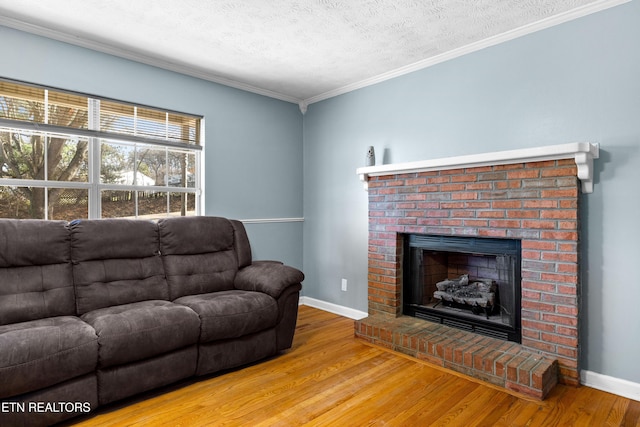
(269, 220)
(617, 386)
(333, 308)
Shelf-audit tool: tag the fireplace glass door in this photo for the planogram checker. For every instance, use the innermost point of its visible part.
(469, 283)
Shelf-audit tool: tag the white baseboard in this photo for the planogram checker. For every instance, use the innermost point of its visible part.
(333, 308)
(618, 386)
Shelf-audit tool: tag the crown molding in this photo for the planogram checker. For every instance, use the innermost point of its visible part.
(140, 57)
(473, 47)
(304, 103)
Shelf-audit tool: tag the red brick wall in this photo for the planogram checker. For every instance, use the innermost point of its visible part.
(536, 202)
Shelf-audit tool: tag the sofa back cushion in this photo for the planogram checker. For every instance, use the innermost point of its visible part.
(198, 254)
(116, 261)
(35, 270)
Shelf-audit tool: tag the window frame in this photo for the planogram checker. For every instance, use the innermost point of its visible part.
(95, 139)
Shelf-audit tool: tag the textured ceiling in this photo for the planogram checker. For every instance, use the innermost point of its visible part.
(296, 50)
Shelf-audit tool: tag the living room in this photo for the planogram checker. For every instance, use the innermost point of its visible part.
(291, 177)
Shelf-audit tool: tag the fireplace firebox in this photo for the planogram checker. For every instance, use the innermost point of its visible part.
(469, 283)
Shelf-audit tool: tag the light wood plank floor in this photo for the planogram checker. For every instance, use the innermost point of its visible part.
(329, 378)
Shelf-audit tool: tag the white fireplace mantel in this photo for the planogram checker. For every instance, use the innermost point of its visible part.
(582, 152)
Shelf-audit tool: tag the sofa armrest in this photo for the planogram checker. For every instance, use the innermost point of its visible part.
(272, 278)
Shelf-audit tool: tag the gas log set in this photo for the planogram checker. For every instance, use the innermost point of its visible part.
(478, 295)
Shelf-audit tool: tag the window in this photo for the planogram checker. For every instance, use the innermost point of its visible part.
(66, 155)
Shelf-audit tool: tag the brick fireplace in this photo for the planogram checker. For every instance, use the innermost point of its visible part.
(531, 195)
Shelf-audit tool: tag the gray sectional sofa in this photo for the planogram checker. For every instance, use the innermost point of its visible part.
(94, 311)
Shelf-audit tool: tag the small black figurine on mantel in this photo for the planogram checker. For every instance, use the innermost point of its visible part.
(371, 157)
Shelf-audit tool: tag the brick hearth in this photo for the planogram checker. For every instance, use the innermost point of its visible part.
(536, 202)
(501, 363)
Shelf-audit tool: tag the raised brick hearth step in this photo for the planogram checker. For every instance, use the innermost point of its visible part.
(501, 363)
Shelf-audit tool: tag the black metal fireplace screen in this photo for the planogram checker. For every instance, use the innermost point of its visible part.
(470, 283)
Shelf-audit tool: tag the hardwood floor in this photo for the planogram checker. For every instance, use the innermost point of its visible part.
(329, 378)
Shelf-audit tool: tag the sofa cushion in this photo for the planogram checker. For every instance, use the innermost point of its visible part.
(195, 235)
(111, 282)
(116, 261)
(198, 254)
(131, 332)
(35, 270)
(93, 239)
(40, 353)
(199, 274)
(232, 314)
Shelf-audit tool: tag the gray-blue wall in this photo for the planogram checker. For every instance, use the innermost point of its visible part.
(579, 81)
(253, 147)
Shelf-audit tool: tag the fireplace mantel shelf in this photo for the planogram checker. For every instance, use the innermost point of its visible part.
(582, 152)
